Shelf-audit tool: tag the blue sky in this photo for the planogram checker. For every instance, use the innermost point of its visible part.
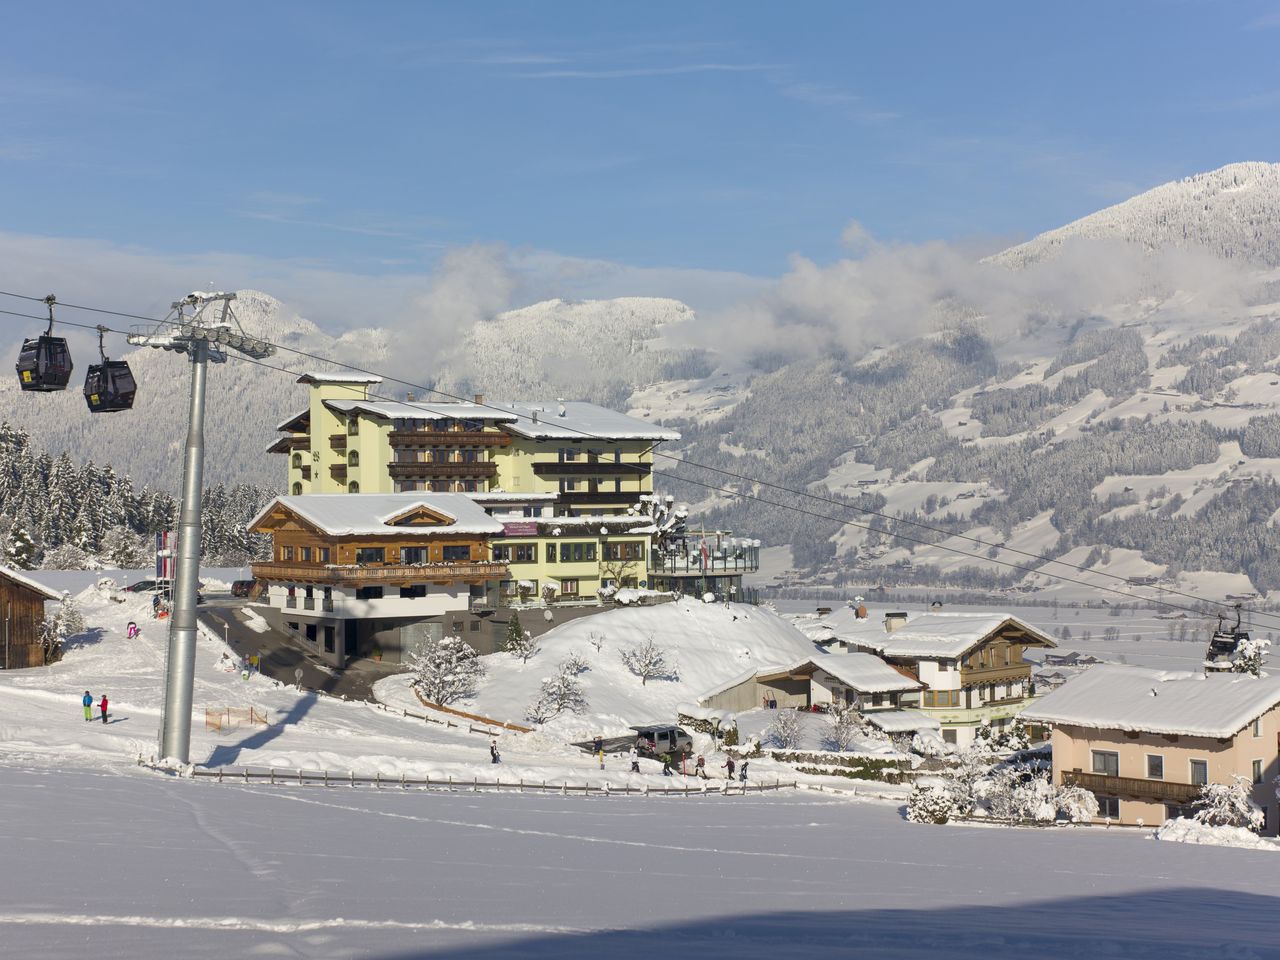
(719, 137)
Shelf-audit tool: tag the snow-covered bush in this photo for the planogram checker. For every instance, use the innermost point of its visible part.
(1015, 736)
(1228, 805)
(843, 726)
(930, 803)
(1077, 804)
(1250, 655)
(65, 621)
(785, 729)
(574, 664)
(927, 743)
(446, 670)
(596, 638)
(557, 694)
(647, 661)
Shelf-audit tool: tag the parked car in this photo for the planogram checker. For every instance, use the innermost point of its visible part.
(242, 588)
(663, 738)
(142, 586)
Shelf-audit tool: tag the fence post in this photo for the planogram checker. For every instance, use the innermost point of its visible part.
(377, 779)
(219, 774)
(564, 789)
(299, 776)
(352, 774)
(326, 776)
(475, 784)
(403, 786)
(450, 781)
(646, 789)
(246, 774)
(273, 775)
(522, 784)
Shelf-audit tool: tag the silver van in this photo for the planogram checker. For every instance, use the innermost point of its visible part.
(658, 739)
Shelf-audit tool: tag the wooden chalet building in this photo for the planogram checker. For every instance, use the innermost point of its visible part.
(23, 603)
(376, 574)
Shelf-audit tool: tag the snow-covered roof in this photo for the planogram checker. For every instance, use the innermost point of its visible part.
(499, 496)
(422, 409)
(729, 684)
(370, 514)
(901, 721)
(295, 424)
(18, 577)
(1115, 697)
(581, 421)
(946, 635)
(865, 673)
(314, 377)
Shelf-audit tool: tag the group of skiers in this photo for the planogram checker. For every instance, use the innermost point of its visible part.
(87, 700)
(668, 762)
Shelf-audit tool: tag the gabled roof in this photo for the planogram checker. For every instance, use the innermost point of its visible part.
(22, 579)
(861, 671)
(943, 635)
(375, 514)
(298, 423)
(1115, 697)
(421, 409)
(581, 421)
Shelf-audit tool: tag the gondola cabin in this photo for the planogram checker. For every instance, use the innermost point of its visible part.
(44, 364)
(109, 387)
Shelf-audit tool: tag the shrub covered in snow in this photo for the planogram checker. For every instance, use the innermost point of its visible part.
(647, 661)
(574, 664)
(1182, 830)
(843, 727)
(1250, 655)
(1228, 805)
(558, 694)
(65, 621)
(446, 670)
(785, 731)
(1077, 804)
(930, 803)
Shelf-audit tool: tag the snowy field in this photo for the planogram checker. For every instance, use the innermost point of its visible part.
(111, 865)
(107, 859)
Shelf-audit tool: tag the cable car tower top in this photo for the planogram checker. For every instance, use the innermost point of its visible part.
(206, 317)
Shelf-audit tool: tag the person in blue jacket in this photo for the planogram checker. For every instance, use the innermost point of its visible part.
(88, 705)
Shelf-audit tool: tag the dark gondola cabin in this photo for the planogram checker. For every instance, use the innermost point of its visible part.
(109, 385)
(45, 362)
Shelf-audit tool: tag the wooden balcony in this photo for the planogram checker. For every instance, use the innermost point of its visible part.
(447, 438)
(587, 497)
(296, 441)
(1163, 791)
(391, 572)
(337, 441)
(338, 471)
(483, 468)
(306, 472)
(578, 468)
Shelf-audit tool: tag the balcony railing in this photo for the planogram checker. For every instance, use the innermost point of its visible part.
(290, 602)
(337, 441)
(306, 473)
(691, 565)
(338, 471)
(464, 438)
(589, 497)
(587, 468)
(357, 573)
(482, 468)
(308, 603)
(1161, 790)
(326, 606)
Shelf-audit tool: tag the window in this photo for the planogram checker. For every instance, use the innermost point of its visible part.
(457, 627)
(368, 593)
(1155, 766)
(353, 427)
(306, 554)
(1174, 811)
(413, 591)
(1257, 771)
(286, 553)
(353, 458)
(353, 487)
(949, 736)
(410, 555)
(474, 626)
(568, 455)
(454, 554)
(623, 551)
(501, 553)
(297, 461)
(297, 489)
(943, 666)
(1200, 772)
(525, 553)
(1106, 763)
(568, 486)
(877, 699)
(551, 553)
(1257, 726)
(328, 639)
(1109, 808)
(569, 588)
(942, 698)
(323, 555)
(577, 552)
(370, 555)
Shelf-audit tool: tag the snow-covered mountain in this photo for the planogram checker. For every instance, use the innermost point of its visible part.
(1232, 211)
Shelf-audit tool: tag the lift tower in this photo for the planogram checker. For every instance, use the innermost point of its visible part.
(204, 327)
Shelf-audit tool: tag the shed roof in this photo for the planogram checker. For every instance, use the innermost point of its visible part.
(23, 580)
(372, 514)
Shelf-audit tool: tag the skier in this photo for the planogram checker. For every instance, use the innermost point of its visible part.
(103, 707)
(666, 764)
(635, 760)
(597, 747)
(493, 752)
(729, 765)
(88, 705)
(132, 630)
(742, 774)
(700, 768)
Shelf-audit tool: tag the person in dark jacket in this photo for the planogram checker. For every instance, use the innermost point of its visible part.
(729, 765)
(493, 752)
(742, 774)
(103, 707)
(87, 700)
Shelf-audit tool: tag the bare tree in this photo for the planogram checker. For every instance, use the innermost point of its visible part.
(844, 726)
(557, 694)
(647, 661)
(785, 729)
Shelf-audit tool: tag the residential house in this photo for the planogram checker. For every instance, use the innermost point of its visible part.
(1145, 742)
(850, 680)
(350, 576)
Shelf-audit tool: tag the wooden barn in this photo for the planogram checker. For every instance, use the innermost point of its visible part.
(22, 603)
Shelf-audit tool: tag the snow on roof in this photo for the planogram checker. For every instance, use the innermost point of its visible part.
(1115, 697)
(26, 581)
(422, 409)
(499, 496)
(946, 635)
(866, 673)
(314, 377)
(731, 683)
(370, 514)
(901, 721)
(581, 421)
(292, 424)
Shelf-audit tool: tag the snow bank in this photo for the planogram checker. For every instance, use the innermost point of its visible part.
(1183, 830)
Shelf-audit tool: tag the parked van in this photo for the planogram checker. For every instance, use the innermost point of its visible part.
(658, 739)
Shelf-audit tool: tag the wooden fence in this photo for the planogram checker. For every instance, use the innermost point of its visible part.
(325, 778)
(228, 718)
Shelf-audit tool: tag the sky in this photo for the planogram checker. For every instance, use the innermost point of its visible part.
(605, 149)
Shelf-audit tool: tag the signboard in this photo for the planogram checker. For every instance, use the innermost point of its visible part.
(520, 528)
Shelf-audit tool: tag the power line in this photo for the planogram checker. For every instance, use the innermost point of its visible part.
(586, 435)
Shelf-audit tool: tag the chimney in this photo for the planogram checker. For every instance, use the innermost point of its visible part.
(479, 398)
(409, 397)
(894, 621)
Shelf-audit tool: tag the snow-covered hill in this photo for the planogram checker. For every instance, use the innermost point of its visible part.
(1232, 211)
